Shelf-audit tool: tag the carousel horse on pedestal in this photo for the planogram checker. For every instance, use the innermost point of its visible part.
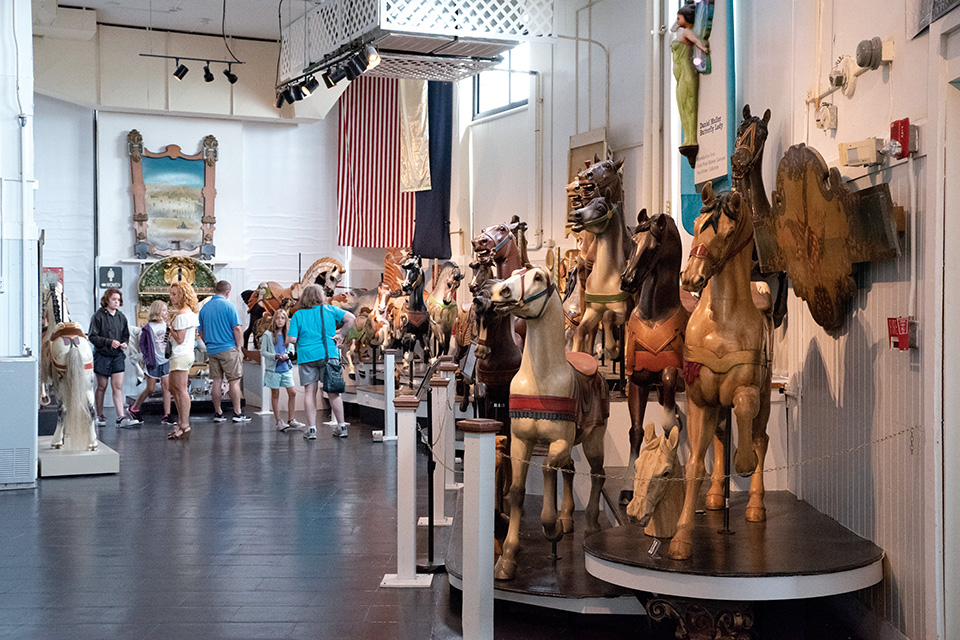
(557, 398)
(415, 318)
(66, 362)
(727, 356)
(442, 305)
(658, 484)
(265, 300)
(655, 330)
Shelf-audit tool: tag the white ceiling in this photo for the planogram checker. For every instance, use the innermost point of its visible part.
(244, 18)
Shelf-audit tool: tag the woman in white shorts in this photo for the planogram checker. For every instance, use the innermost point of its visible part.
(278, 371)
(183, 333)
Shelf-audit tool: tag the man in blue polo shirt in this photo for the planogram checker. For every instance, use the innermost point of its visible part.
(221, 331)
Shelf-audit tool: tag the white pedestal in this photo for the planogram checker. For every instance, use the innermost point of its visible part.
(389, 391)
(61, 462)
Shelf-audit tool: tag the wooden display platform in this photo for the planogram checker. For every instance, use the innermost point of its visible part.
(797, 553)
(542, 581)
(61, 462)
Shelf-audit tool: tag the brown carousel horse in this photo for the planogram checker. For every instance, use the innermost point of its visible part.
(727, 357)
(655, 331)
(66, 363)
(557, 398)
(415, 317)
(266, 299)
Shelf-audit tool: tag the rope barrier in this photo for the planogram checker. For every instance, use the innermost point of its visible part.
(530, 463)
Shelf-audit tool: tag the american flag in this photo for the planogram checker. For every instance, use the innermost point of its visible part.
(372, 210)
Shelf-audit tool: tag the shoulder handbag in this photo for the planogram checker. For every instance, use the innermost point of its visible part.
(333, 372)
(167, 344)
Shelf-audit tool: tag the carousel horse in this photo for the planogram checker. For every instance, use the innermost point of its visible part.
(658, 484)
(369, 330)
(442, 305)
(604, 300)
(267, 298)
(415, 317)
(655, 330)
(746, 163)
(465, 331)
(727, 357)
(572, 307)
(326, 272)
(134, 355)
(556, 398)
(66, 358)
(499, 245)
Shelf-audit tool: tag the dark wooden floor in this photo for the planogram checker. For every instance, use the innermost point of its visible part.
(244, 532)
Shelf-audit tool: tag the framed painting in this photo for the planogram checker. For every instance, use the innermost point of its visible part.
(173, 199)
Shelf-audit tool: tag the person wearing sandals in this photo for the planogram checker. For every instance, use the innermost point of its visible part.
(278, 371)
(109, 334)
(153, 344)
(314, 330)
(183, 333)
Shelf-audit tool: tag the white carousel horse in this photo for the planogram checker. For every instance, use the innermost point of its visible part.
(442, 306)
(557, 398)
(67, 363)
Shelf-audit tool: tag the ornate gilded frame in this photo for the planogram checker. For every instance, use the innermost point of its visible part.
(161, 242)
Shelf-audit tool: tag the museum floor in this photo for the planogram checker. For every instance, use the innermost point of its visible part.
(245, 532)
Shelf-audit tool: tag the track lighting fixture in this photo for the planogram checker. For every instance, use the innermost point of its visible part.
(181, 71)
(333, 75)
(355, 67)
(373, 56)
(297, 92)
(310, 86)
(207, 74)
(280, 100)
(231, 76)
(288, 95)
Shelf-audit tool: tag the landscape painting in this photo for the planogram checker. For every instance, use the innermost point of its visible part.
(174, 203)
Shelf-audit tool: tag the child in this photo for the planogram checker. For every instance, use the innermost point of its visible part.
(153, 343)
(279, 372)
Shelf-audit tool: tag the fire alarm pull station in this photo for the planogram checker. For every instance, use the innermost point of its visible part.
(900, 332)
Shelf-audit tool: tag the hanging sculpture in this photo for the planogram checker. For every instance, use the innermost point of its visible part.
(688, 78)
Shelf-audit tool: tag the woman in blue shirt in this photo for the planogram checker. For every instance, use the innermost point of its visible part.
(314, 330)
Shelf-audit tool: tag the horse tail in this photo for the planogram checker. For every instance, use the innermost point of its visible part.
(76, 388)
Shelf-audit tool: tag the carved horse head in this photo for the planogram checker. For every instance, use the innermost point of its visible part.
(525, 294)
(656, 241)
(594, 217)
(447, 284)
(330, 274)
(492, 243)
(656, 468)
(723, 229)
(751, 136)
(412, 274)
(601, 180)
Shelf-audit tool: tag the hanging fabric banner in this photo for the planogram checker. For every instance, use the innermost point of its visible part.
(372, 210)
(432, 233)
(414, 136)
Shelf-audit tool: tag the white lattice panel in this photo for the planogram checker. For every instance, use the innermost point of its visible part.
(334, 26)
(426, 68)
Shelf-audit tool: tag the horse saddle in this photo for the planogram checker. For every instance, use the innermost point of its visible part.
(654, 348)
(68, 330)
(584, 363)
(416, 318)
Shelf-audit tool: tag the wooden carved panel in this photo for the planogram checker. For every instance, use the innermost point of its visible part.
(155, 280)
(173, 199)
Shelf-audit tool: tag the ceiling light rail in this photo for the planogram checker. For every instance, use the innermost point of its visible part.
(208, 76)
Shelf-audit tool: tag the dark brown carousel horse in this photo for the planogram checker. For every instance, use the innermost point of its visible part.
(656, 328)
(416, 318)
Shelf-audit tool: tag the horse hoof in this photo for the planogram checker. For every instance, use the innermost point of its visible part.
(556, 535)
(505, 569)
(566, 525)
(756, 514)
(746, 462)
(625, 497)
(56, 445)
(715, 501)
(680, 549)
(93, 447)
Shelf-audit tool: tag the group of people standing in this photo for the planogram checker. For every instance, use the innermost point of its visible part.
(167, 343)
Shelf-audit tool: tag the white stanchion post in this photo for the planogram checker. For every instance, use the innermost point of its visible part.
(265, 393)
(450, 428)
(440, 410)
(479, 462)
(406, 575)
(389, 389)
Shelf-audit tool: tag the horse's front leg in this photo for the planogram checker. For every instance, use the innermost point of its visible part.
(746, 406)
(637, 395)
(592, 445)
(701, 425)
(520, 451)
(756, 511)
(558, 457)
(566, 503)
(57, 441)
(583, 338)
(613, 320)
(92, 442)
(715, 500)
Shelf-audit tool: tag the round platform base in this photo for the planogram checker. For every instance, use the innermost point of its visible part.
(797, 553)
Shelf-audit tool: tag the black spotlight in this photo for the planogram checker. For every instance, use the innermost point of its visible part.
(207, 74)
(310, 86)
(353, 68)
(297, 92)
(231, 76)
(333, 75)
(181, 71)
(288, 95)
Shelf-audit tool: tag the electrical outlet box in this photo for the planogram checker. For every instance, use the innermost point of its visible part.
(906, 134)
(827, 117)
(860, 154)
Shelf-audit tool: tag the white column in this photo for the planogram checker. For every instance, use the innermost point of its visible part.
(406, 575)
(479, 461)
(440, 411)
(265, 393)
(389, 389)
(450, 428)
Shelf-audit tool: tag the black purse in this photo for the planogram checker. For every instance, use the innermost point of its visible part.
(168, 345)
(332, 371)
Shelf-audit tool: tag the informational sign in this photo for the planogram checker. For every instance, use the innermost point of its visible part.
(111, 277)
(712, 124)
(51, 276)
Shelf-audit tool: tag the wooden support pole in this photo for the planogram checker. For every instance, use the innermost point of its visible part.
(441, 409)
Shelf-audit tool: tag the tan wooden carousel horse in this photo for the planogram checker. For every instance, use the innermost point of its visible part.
(556, 398)
(442, 307)
(727, 357)
(658, 484)
(326, 272)
(66, 363)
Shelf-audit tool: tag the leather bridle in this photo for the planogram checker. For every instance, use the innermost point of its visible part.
(546, 293)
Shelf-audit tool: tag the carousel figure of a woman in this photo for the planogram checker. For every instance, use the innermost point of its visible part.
(687, 77)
